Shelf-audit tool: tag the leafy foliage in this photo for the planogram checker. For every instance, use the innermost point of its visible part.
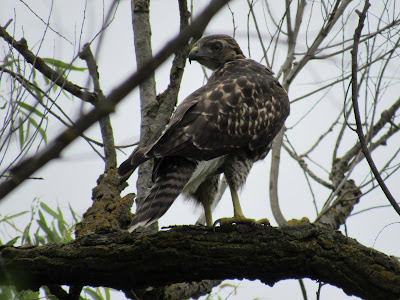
(46, 225)
(27, 100)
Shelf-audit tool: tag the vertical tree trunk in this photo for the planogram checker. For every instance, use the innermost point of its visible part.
(144, 53)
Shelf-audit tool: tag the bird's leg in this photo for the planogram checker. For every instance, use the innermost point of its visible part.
(207, 210)
(237, 209)
(238, 216)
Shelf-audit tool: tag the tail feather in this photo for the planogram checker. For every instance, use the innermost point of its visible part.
(171, 178)
(135, 159)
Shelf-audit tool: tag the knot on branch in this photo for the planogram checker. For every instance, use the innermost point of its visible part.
(348, 194)
(339, 169)
(109, 212)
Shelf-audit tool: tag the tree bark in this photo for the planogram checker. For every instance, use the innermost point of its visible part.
(143, 50)
(189, 253)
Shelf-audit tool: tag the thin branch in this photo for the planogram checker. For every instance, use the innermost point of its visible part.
(46, 23)
(29, 86)
(386, 117)
(258, 32)
(322, 136)
(110, 158)
(271, 15)
(342, 79)
(371, 208)
(365, 38)
(304, 166)
(39, 64)
(303, 289)
(334, 16)
(29, 166)
(360, 133)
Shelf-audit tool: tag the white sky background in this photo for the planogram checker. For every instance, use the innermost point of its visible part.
(70, 179)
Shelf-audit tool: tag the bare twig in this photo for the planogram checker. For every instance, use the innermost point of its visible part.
(371, 208)
(41, 66)
(336, 13)
(31, 87)
(303, 289)
(365, 38)
(386, 117)
(360, 133)
(304, 166)
(110, 158)
(258, 32)
(27, 167)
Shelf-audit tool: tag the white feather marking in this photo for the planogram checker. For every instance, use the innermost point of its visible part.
(141, 224)
(203, 170)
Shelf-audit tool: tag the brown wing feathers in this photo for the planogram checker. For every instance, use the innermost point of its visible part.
(241, 108)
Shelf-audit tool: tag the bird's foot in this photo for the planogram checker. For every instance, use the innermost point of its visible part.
(264, 222)
(240, 220)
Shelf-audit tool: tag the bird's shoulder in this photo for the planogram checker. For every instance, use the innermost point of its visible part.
(241, 67)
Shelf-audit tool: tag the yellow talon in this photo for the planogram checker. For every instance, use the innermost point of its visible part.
(264, 222)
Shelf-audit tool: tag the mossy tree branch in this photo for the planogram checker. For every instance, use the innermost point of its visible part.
(125, 261)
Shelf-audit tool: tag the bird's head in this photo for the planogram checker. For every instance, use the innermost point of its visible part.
(215, 50)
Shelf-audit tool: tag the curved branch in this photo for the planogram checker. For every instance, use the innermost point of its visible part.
(354, 84)
(123, 260)
(273, 177)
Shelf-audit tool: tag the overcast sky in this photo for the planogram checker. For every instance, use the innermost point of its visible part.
(70, 179)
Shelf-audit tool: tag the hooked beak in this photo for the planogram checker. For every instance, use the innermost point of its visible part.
(193, 54)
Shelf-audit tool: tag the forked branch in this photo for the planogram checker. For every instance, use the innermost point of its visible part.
(29, 166)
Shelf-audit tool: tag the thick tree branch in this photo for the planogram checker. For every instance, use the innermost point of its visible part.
(354, 84)
(147, 89)
(123, 260)
(29, 166)
(273, 178)
(39, 64)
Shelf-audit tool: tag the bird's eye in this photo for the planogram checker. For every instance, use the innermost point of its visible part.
(216, 47)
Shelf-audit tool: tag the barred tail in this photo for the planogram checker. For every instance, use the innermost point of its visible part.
(171, 176)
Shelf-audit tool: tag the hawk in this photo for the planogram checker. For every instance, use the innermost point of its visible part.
(223, 127)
